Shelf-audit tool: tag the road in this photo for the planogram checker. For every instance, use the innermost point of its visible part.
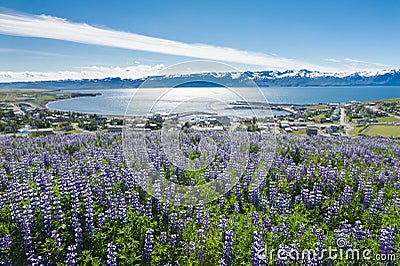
(374, 109)
(347, 126)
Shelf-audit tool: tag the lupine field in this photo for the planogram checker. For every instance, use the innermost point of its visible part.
(71, 200)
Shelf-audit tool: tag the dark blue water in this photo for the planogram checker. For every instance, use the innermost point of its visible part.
(115, 101)
(309, 95)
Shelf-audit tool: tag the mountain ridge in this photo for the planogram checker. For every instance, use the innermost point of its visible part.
(268, 78)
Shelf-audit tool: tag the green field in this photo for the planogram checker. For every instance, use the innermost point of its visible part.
(391, 100)
(315, 106)
(358, 129)
(37, 97)
(300, 132)
(382, 130)
(388, 119)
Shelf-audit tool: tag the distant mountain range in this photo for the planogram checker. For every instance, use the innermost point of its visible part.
(289, 78)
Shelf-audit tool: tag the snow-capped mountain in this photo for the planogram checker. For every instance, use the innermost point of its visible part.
(288, 78)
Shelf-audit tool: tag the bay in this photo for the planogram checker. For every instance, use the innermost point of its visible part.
(115, 101)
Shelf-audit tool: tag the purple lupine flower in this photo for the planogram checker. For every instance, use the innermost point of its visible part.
(222, 262)
(257, 250)
(78, 236)
(387, 240)
(56, 236)
(148, 208)
(206, 221)
(5, 242)
(88, 204)
(191, 248)
(190, 209)
(111, 254)
(122, 213)
(174, 220)
(136, 206)
(236, 190)
(228, 247)
(254, 195)
(283, 203)
(222, 223)
(221, 202)
(317, 195)
(164, 213)
(346, 197)
(200, 253)
(254, 218)
(358, 231)
(266, 222)
(199, 213)
(301, 231)
(163, 238)
(377, 203)
(58, 214)
(236, 208)
(173, 241)
(148, 246)
(367, 190)
(180, 226)
(272, 194)
(71, 256)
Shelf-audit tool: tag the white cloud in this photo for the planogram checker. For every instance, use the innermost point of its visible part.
(32, 52)
(356, 62)
(92, 72)
(350, 64)
(333, 60)
(44, 26)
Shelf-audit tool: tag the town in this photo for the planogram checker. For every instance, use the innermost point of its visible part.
(25, 116)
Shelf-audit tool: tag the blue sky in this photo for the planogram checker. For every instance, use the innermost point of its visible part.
(326, 35)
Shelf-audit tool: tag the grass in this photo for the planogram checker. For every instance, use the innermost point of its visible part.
(316, 106)
(318, 117)
(358, 129)
(37, 97)
(388, 119)
(392, 100)
(382, 130)
(301, 132)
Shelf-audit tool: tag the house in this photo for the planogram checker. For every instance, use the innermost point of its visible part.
(285, 124)
(140, 127)
(100, 118)
(42, 131)
(312, 130)
(335, 117)
(23, 132)
(27, 130)
(19, 113)
(360, 121)
(114, 128)
(335, 128)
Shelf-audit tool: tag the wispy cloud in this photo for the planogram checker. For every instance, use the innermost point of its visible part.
(91, 72)
(43, 26)
(362, 62)
(351, 64)
(32, 52)
(333, 60)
